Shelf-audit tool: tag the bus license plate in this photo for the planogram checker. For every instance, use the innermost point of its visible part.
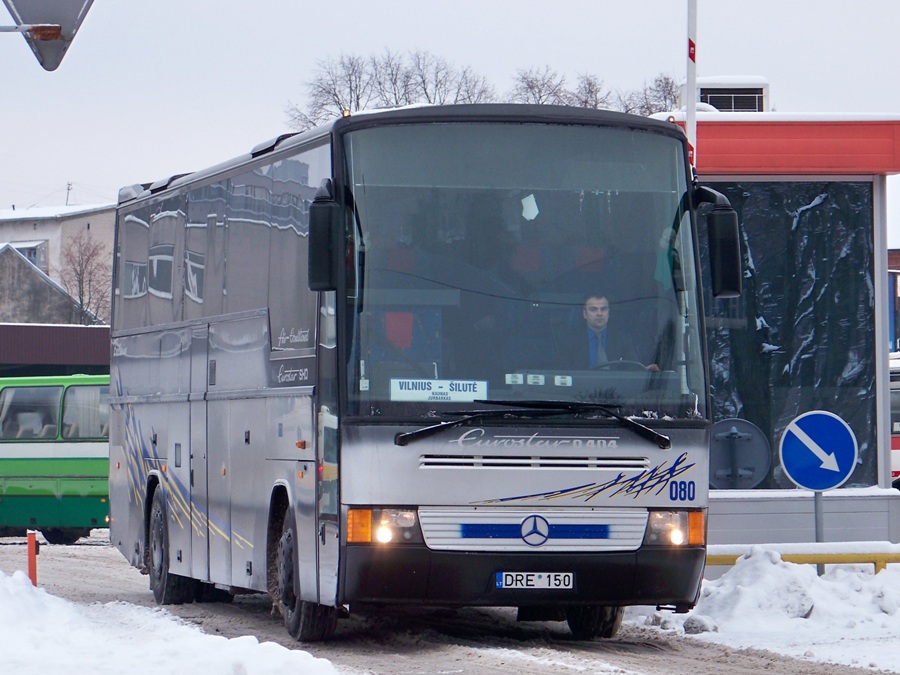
(528, 580)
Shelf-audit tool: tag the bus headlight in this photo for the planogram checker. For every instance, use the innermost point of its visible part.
(383, 526)
(676, 528)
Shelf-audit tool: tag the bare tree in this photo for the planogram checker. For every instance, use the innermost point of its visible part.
(386, 81)
(86, 274)
(546, 87)
(660, 96)
(665, 90)
(434, 79)
(345, 84)
(354, 83)
(392, 80)
(473, 88)
(589, 93)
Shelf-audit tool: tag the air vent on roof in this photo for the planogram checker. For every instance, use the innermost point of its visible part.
(165, 182)
(268, 146)
(129, 192)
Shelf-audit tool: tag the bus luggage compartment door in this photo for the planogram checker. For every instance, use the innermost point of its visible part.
(198, 457)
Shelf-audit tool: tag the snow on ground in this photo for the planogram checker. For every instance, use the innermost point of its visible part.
(41, 633)
(847, 616)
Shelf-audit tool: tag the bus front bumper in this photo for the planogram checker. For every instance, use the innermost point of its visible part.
(412, 573)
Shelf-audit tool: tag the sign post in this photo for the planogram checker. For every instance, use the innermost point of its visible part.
(690, 87)
(33, 549)
(818, 451)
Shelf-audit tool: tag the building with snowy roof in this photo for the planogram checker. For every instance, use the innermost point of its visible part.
(41, 234)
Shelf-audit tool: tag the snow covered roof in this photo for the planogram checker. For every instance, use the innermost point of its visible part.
(736, 81)
(51, 212)
(707, 115)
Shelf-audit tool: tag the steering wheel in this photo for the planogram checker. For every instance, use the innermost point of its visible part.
(620, 365)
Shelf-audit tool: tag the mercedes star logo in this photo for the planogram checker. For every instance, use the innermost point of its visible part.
(535, 530)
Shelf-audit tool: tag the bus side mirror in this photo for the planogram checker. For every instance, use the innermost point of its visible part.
(324, 240)
(724, 243)
(724, 252)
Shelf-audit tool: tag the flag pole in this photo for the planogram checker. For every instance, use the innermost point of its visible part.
(691, 85)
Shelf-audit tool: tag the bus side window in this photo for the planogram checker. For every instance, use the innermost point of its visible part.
(85, 411)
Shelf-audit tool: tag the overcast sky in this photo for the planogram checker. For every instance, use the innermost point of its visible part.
(151, 89)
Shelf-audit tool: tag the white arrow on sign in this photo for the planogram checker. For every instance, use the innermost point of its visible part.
(829, 461)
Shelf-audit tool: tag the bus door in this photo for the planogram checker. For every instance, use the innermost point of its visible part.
(199, 487)
(328, 507)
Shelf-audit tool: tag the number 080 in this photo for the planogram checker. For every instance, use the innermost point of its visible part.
(682, 491)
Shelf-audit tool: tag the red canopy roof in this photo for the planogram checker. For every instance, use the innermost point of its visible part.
(764, 143)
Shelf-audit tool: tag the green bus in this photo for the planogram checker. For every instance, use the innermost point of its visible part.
(54, 456)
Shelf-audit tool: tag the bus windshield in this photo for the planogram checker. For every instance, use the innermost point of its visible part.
(520, 262)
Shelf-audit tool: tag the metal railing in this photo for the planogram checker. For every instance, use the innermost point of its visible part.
(878, 553)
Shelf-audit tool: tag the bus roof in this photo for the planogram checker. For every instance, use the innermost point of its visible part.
(479, 112)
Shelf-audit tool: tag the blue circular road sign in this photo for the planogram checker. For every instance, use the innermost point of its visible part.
(818, 450)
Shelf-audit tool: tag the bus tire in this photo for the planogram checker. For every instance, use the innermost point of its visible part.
(168, 588)
(64, 536)
(305, 621)
(589, 621)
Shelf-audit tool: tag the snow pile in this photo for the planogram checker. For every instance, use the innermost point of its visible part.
(40, 633)
(847, 616)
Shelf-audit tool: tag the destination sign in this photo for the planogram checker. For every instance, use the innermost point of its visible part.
(404, 389)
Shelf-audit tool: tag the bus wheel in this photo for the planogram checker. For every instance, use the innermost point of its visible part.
(168, 588)
(589, 621)
(305, 621)
(63, 536)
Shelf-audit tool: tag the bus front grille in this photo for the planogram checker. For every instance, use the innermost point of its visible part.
(497, 529)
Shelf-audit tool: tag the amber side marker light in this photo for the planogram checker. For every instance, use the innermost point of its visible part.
(697, 528)
(359, 526)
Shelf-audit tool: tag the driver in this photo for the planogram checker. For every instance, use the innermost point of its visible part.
(596, 344)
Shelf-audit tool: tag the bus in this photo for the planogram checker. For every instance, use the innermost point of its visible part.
(336, 373)
(54, 456)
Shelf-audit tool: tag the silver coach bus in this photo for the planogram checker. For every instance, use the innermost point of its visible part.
(342, 370)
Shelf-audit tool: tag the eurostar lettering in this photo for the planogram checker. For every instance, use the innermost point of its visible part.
(476, 438)
(292, 372)
(292, 375)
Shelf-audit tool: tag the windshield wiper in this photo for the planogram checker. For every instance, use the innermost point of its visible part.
(526, 410)
(663, 441)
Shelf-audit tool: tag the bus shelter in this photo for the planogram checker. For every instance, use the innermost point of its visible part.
(810, 332)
